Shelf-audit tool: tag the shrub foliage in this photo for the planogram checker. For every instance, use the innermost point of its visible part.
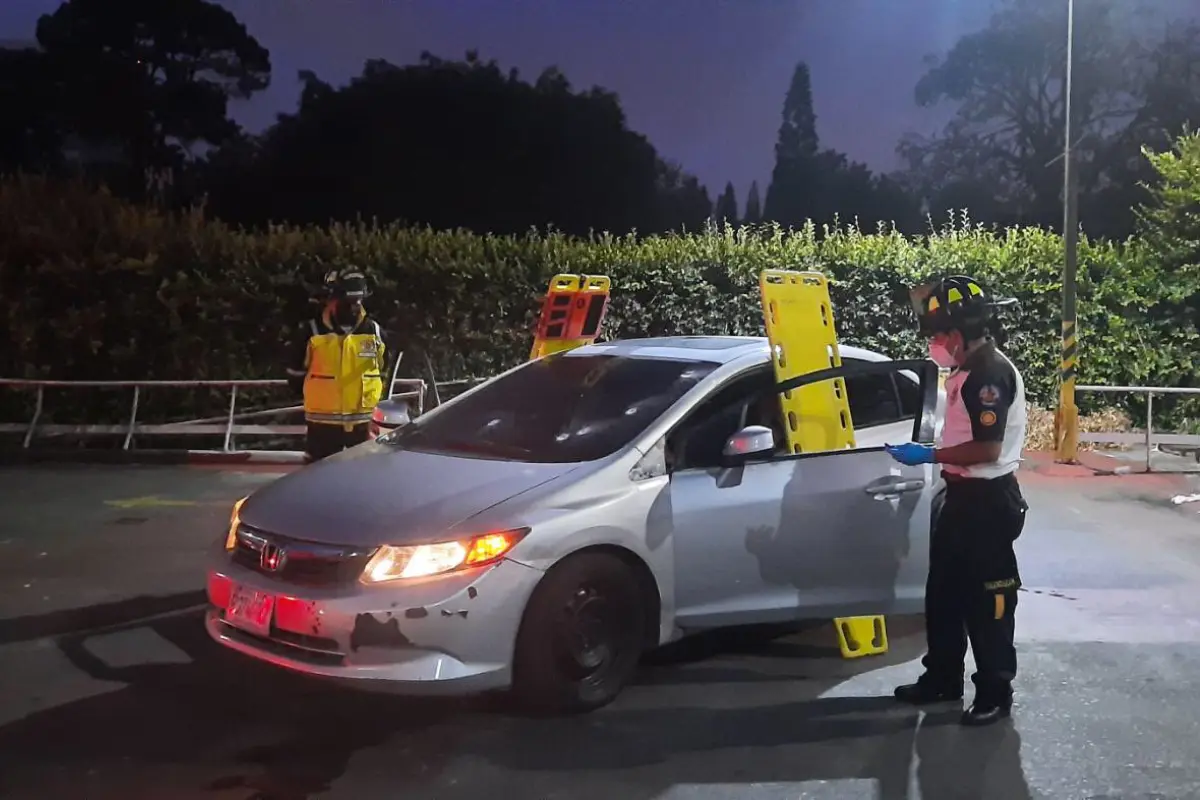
(94, 288)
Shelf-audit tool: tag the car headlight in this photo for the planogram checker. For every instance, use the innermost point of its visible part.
(235, 520)
(424, 560)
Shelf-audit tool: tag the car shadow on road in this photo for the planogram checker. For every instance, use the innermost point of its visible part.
(222, 725)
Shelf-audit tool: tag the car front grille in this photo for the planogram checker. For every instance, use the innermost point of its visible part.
(299, 562)
(309, 649)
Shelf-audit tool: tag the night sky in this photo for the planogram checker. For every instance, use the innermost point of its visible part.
(704, 79)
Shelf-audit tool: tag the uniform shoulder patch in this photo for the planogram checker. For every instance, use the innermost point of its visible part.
(987, 419)
(989, 395)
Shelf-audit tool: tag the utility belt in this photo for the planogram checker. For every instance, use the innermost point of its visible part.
(956, 479)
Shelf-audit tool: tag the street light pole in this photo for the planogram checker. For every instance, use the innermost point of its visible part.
(1067, 419)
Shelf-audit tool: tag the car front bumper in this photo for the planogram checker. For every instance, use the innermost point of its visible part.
(446, 635)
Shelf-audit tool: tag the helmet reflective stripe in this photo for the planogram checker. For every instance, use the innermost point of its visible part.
(955, 295)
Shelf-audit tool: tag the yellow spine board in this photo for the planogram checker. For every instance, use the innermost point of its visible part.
(800, 328)
(571, 314)
(861, 636)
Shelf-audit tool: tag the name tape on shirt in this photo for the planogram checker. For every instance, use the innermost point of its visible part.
(989, 395)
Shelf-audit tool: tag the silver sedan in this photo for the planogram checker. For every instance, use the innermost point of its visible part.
(544, 529)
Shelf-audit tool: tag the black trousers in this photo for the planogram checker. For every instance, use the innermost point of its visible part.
(971, 593)
(324, 439)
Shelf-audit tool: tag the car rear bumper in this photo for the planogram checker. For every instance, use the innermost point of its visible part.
(448, 635)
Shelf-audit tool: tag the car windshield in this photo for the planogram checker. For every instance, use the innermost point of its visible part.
(564, 408)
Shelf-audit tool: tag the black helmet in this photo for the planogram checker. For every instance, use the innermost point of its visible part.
(956, 302)
(348, 283)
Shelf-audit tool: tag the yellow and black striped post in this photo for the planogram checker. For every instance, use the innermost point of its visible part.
(1066, 421)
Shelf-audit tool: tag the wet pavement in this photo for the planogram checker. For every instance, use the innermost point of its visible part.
(109, 687)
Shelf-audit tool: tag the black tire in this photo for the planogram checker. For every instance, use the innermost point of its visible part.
(581, 638)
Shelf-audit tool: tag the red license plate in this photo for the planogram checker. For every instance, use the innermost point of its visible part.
(250, 610)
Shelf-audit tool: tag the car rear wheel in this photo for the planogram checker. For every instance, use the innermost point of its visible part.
(582, 636)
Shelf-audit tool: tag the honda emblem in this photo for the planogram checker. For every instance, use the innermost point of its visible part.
(272, 557)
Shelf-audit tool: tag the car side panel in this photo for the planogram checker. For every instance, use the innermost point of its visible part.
(608, 508)
(796, 538)
(913, 569)
(721, 518)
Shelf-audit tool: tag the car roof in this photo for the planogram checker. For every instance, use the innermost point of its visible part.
(714, 349)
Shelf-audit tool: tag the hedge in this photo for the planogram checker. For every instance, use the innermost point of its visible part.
(94, 288)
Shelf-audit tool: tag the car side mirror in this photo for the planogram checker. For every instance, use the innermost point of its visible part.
(748, 444)
(388, 416)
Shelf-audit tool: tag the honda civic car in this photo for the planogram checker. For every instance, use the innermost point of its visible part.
(541, 531)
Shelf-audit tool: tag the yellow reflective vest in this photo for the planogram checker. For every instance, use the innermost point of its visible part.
(343, 379)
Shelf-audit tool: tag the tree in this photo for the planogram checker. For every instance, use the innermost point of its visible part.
(753, 206)
(459, 144)
(30, 137)
(153, 78)
(1170, 103)
(1002, 149)
(680, 201)
(1170, 220)
(825, 186)
(1168, 226)
(726, 212)
(790, 195)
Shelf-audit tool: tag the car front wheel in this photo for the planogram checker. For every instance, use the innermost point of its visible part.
(581, 637)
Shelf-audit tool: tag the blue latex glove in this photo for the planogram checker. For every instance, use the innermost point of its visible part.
(910, 453)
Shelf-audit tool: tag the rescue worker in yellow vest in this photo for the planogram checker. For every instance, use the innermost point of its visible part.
(342, 364)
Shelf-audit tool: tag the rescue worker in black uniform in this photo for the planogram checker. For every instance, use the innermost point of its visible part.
(339, 362)
(971, 591)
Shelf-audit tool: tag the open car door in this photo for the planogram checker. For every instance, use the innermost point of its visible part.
(768, 536)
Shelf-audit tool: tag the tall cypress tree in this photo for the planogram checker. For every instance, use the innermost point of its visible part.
(726, 210)
(753, 206)
(791, 195)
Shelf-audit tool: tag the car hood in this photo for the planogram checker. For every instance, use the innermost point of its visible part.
(379, 494)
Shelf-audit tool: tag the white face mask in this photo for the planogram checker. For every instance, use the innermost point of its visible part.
(941, 355)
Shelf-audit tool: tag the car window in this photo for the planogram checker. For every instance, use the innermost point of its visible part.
(565, 408)
(699, 439)
(873, 398)
(921, 425)
(910, 395)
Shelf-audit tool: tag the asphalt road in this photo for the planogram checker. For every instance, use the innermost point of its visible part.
(110, 689)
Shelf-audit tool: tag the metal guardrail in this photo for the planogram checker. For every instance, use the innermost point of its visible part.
(225, 425)
(1148, 438)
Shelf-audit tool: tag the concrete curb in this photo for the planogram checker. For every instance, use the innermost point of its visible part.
(1088, 464)
(152, 457)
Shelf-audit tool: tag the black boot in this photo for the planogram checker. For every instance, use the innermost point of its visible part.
(927, 690)
(988, 708)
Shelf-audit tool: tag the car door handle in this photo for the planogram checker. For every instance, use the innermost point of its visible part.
(894, 486)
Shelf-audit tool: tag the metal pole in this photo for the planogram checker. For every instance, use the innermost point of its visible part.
(37, 415)
(229, 421)
(132, 417)
(437, 396)
(395, 373)
(1149, 427)
(1067, 418)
